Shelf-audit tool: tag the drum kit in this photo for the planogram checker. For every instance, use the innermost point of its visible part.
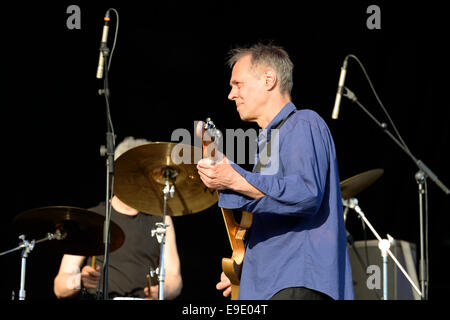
(147, 179)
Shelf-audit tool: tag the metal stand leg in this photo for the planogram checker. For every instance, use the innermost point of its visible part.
(385, 278)
(27, 247)
(384, 246)
(160, 232)
(162, 274)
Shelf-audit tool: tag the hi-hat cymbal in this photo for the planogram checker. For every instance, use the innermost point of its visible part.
(354, 185)
(140, 177)
(83, 229)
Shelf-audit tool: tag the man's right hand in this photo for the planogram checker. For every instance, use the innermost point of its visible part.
(224, 284)
(90, 277)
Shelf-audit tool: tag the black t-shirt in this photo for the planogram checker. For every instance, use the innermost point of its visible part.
(130, 264)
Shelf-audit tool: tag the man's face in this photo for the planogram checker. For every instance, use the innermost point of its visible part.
(247, 89)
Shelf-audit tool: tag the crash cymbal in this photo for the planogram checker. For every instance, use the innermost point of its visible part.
(354, 185)
(83, 229)
(140, 173)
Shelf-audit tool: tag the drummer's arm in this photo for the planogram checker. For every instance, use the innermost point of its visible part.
(68, 281)
(173, 281)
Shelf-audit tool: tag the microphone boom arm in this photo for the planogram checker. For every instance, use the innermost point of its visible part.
(352, 97)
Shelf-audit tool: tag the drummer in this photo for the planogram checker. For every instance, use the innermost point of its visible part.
(79, 277)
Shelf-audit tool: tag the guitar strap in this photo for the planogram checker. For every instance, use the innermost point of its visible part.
(258, 166)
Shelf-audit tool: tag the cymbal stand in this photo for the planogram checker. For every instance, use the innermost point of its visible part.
(27, 247)
(160, 230)
(383, 245)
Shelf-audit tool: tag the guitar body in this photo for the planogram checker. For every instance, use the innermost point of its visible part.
(232, 267)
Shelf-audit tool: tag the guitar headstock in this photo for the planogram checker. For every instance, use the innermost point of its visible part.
(204, 126)
(210, 136)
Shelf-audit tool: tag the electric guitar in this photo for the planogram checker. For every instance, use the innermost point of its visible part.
(232, 267)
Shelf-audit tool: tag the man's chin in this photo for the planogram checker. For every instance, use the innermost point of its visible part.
(242, 116)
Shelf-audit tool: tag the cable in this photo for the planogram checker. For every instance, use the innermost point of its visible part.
(115, 35)
(379, 100)
(108, 110)
(106, 84)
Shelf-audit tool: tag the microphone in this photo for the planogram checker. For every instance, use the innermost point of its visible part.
(337, 102)
(101, 59)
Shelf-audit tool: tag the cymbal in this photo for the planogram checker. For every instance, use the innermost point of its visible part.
(139, 179)
(354, 185)
(83, 228)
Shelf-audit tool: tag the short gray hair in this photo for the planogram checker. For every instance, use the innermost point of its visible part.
(127, 144)
(267, 55)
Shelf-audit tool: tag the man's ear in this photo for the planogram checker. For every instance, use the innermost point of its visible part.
(270, 78)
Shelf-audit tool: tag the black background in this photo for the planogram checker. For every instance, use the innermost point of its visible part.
(168, 70)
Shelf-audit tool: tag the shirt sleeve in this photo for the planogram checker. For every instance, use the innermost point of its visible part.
(300, 182)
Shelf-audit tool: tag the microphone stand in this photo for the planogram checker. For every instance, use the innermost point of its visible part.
(421, 176)
(107, 152)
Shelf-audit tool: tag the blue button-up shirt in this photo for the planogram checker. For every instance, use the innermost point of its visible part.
(298, 235)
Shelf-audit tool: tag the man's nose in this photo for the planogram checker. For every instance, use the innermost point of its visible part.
(232, 94)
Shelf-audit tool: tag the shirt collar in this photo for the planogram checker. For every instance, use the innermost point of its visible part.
(284, 112)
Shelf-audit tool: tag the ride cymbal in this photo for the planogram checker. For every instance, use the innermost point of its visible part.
(83, 229)
(354, 185)
(141, 174)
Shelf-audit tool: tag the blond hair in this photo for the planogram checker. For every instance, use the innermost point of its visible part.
(127, 144)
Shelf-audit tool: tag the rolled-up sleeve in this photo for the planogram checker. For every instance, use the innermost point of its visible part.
(297, 187)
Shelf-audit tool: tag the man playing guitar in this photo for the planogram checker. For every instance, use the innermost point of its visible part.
(296, 246)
